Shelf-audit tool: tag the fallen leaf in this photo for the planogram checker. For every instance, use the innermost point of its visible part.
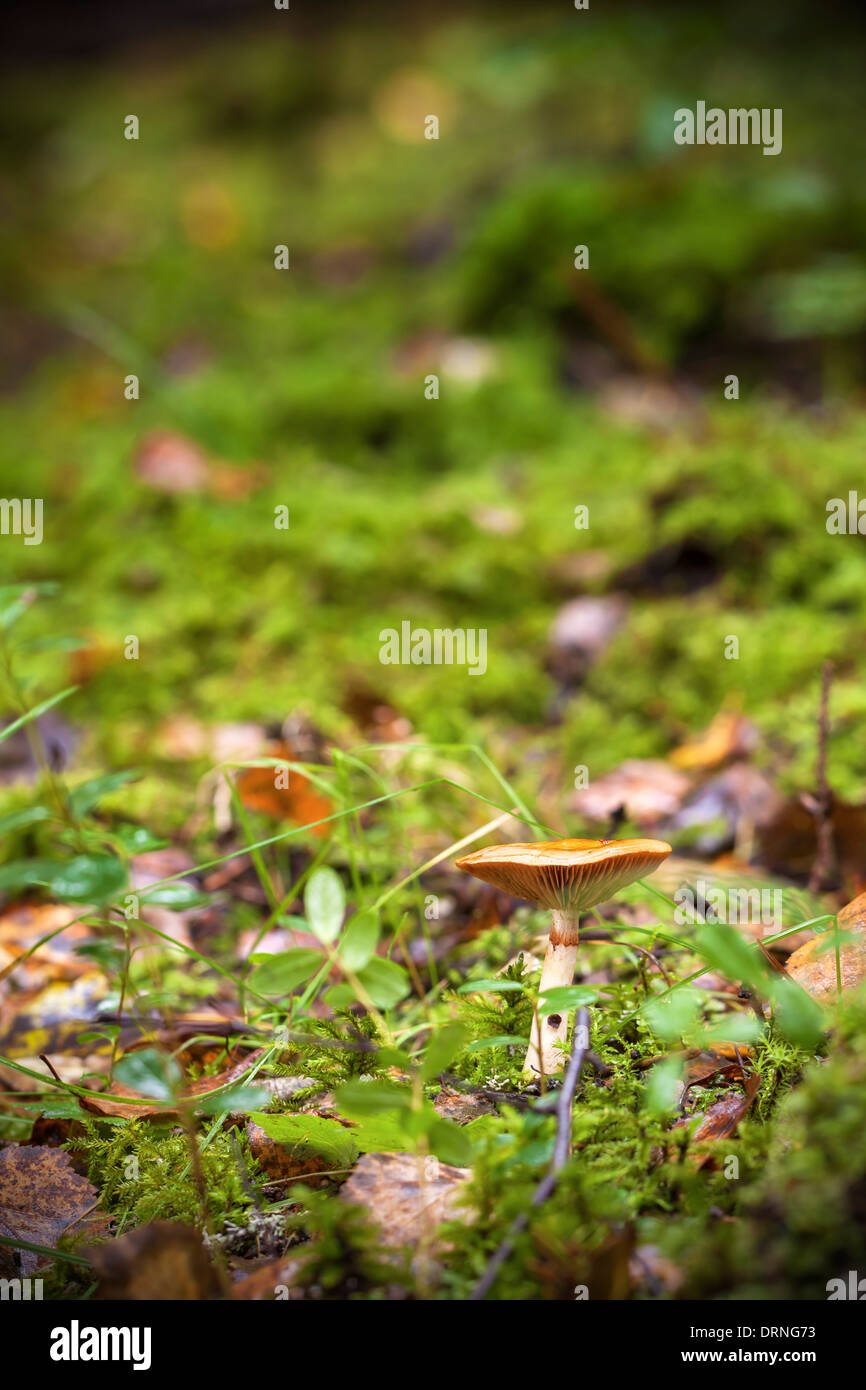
(721, 1119)
(582, 629)
(788, 842)
(813, 965)
(299, 802)
(300, 1146)
(168, 462)
(264, 1283)
(405, 1196)
(651, 404)
(729, 736)
(730, 805)
(23, 924)
(648, 789)
(41, 1197)
(462, 1107)
(163, 1260)
(138, 1106)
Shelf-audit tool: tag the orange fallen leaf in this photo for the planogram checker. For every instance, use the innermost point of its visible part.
(122, 1101)
(282, 792)
(813, 965)
(730, 735)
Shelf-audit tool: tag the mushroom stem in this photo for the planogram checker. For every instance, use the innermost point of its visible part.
(558, 970)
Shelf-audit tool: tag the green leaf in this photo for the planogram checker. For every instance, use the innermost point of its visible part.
(16, 820)
(136, 839)
(358, 942)
(87, 878)
(674, 1014)
(490, 987)
(150, 1073)
(735, 1028)
(449, 1143)
(36, 712)
(177, 895)
(85, 796)
(243, 1098)
(567, 997)
(324, 904)
(662, 1087)
(498, 1040)
(382, 1134)
(285, 970)
(442, 1049)
(107, 954)
(725, 950)
(358, 1099)
(385, 981)
(799, 1017)
(16, 599)
(52, 644)
(311, 1136)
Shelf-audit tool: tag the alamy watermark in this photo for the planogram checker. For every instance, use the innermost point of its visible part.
(738, 126)
(708, 903)
(421, 646)
(846, 516)
(22, 516)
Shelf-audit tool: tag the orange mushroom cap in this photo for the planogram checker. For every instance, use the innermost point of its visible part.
(566, 875)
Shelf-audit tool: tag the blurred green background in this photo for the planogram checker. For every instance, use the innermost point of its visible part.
(558, 388)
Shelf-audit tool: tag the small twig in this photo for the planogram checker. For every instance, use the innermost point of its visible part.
(821, 804)
(565, 1100)
(54, 1072)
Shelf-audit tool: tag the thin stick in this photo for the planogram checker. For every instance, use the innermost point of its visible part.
(821, 804)
(579, 1047)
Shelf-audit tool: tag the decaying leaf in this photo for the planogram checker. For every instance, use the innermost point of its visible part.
(137, 1106)
(41, 1197)
(23, 924)
(462, 1107)
(649, 790)
(272, 1281)
(406, 1196)
(721, 1119)
(283, 793)
(300, 1146)
(813, 965)
(730, 735)
(163, 1260)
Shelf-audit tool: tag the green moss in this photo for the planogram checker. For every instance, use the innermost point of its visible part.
(143, 1173)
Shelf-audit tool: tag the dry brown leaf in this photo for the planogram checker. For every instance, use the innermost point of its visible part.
(41, 1197)
(462, 1107)
(263, 1283)
(406, 1196)
(284, 1161)
(813, 965)
(139, 1107)
(163, 1260)
(23, 924)
(649, 789)
(788, 843)
(730, 735)
(721, 1119)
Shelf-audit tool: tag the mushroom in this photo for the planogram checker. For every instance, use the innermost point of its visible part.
(567, 877)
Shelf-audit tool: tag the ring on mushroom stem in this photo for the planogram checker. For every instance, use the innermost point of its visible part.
(567, 877)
